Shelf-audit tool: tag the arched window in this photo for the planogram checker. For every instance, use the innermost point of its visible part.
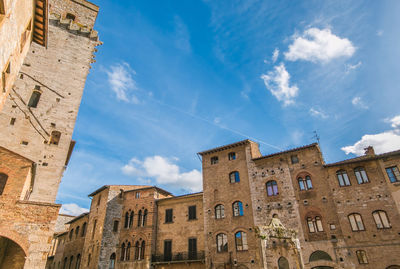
(35, 97)
(319, 255)
(356, 222)
(222, 243)
(272, 188)
(234, 177)
(144, 218)
(361, 175)
(137, 250)
(55, 138)
(283, 263)
(77, 232)
(362, 257)
(65, 263)
(343, 178)
(219, 212)
(139, 218)
(237, 208)
(131, 219)
(241, 241)
(315, 224)
(305, 183)
(71, 260)
(142, 249)
(381, 219)
(3, 182)
(78, 261)
(123, 252)
(126, 223)
(112, 261)
(71, 233)
(83, 229)
(128, 252)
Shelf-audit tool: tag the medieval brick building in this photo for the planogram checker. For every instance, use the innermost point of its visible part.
(284, 210)
(42, 84)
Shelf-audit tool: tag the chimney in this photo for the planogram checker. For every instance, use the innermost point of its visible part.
(369, 151)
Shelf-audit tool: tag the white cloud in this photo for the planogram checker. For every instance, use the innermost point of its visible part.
(395, 121)
(278, 83)
(164, 171)
(121, 81)
(72, 209)
(350, 67)
(359, 103)
(379, 33)
(318, 45)
(318, 113)
(275, 55)
(382, 142)
(182, 36)
(297, 136)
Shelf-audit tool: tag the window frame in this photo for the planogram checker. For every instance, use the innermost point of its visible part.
(341, 179)
(383, 219)
(222, 243)
(314, 224)
(394, 170)
(214, 160)
(34, 100)
(356, 222)
(360, 173)
(237, 211)
(169, 217)
(273, 186)
(305, 183)
(220, 208)
(362, 256)
(241, 241)
(192, 214)
(234, 177)
(232, 156)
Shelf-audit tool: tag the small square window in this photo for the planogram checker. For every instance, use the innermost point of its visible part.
(294, 159)
(232, 156)
(214, 160)
(332, 226)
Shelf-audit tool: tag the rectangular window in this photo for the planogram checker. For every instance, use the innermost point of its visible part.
(294, 159)
(393, 174)
(192, 212)
(192, 249)
(94, 228)
(4, 76)
(167, 250)
(168, 215)
(214, 160)
(137, 195)
(232, 156)
(116, 224)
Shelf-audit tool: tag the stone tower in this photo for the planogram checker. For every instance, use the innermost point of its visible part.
(38, 117)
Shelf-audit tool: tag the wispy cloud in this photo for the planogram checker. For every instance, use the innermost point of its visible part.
(316, 45)
(182, 36)
(72, 209)
(318, 113)
(379, 33)
(275, 55)
(350, 67)
(278, 83)
(359, 103)
(382, 142)
(121, 81)
(164, 171)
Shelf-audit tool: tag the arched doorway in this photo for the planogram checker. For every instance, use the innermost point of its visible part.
(393, 267)
(283, 263)
(11, 254)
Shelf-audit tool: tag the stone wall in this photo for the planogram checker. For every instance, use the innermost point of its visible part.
(15, 37)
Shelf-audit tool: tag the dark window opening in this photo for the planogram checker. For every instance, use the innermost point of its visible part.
(70, 16)
(192, 212)
(12, 121)
(115, 227)
(168, 215)
(234, 177)
(35, 97)
(55, 139)
(167, 250)
(192, 248)
(214, 160)
(232, 156)
(294, 159)
(3, 182)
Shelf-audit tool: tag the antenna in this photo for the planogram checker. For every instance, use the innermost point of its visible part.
(316, 136)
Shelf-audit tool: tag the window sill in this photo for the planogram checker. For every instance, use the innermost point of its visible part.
(193, 219)
(170, 222)
(397, 183)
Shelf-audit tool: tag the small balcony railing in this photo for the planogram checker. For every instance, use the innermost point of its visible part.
(179, 257)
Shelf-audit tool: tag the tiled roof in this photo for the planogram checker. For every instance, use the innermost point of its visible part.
(181, 196)
(286, 151)
(77, 218)
(365, 158)
(240, 143)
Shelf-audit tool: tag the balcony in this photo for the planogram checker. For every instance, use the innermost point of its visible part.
(179, 257)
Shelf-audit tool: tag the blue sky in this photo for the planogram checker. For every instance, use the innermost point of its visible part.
(177, 77)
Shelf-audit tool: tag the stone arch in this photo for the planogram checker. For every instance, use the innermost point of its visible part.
(393, 267)
(319, 255)
(12, 254)
(16, 237)
(283, 263)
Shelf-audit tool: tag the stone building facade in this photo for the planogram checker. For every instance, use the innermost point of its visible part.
(285, 210)
(42, 85)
